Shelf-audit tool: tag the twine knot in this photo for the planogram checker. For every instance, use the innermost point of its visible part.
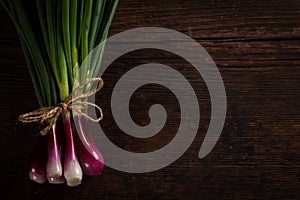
(52, 113)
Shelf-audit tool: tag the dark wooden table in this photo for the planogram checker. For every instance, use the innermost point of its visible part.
(256, 46)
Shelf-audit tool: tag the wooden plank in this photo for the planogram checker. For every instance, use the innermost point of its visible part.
(256, 47)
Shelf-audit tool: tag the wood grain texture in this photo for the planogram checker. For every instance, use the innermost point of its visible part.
(256, 46)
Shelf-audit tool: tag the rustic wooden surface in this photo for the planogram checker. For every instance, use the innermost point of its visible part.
(256, 46)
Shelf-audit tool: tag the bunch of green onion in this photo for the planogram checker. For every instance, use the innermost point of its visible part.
(56, 37)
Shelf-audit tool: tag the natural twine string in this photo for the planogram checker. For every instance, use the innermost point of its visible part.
(51, 114)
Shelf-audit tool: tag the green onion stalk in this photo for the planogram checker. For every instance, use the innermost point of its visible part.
(56, 37)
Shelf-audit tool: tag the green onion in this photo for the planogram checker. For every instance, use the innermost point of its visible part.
(56, 37)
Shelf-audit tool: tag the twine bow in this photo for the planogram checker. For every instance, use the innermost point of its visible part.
(52, 113)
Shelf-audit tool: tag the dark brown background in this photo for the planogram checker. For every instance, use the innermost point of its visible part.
(255, 44)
